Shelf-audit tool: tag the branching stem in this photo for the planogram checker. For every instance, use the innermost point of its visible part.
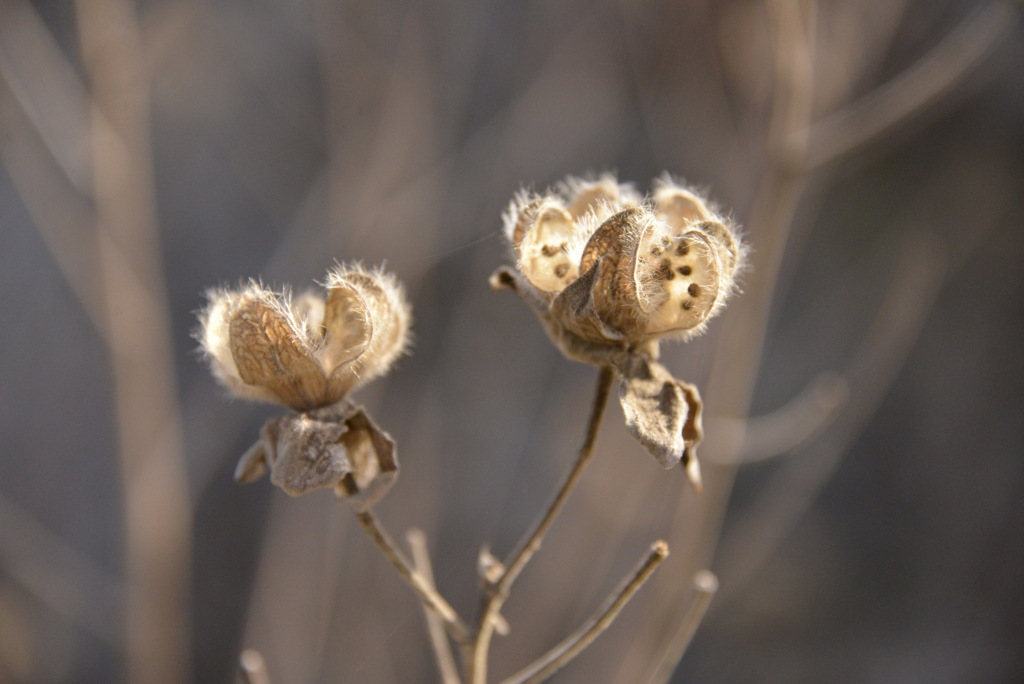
(573, 645)
(498, 592)
(423, 588)
(446, 666)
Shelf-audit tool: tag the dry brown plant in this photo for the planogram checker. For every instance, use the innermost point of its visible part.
(868, 152)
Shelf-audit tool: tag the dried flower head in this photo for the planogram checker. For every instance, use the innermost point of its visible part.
(308, 353)
(610, 274)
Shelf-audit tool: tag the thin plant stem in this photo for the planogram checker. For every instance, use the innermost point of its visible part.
(573, 645)
(253, 667)
(446, 666)
(498, 592)
(423, 588)
(705, 585)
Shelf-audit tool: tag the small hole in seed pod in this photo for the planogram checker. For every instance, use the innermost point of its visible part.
(694, 289)
(685, 270)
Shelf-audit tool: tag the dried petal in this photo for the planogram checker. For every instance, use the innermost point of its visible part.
(253, 464)
(730, 250)
(347, 326)
(270, 352)
(616, 241)
(372, 452)
(574, 321)
(260, 350)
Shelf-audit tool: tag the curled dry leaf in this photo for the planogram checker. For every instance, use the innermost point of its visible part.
(663, 414)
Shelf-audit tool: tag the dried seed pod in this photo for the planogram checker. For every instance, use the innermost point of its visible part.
(606, 270)
(548, 232)
(610, 275)
(369, 311)
(305, 352)
(259, 350)
(605, 194)
(308, 353)
(541, 230)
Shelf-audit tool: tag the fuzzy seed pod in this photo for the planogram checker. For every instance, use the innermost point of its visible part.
(609, 271)
(610, 274)
(309, 351)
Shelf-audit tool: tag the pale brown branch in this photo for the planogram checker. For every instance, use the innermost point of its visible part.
(253, 667)
(61, 218)
(129, 271)
(792, 425)
(57, 574)
(498, 592)
(573, 645)
(887, 343)
(920, 86)
(58, 105)
(421, 586)
(431, 599)
(446, 665)
(738, 354)
(705, 585)
(794, 28)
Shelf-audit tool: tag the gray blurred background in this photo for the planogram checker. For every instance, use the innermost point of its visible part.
(873, 152)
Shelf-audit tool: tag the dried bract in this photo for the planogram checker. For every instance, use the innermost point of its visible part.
(308, 353)
(663, 414)
(339, 447)
(610, 274)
